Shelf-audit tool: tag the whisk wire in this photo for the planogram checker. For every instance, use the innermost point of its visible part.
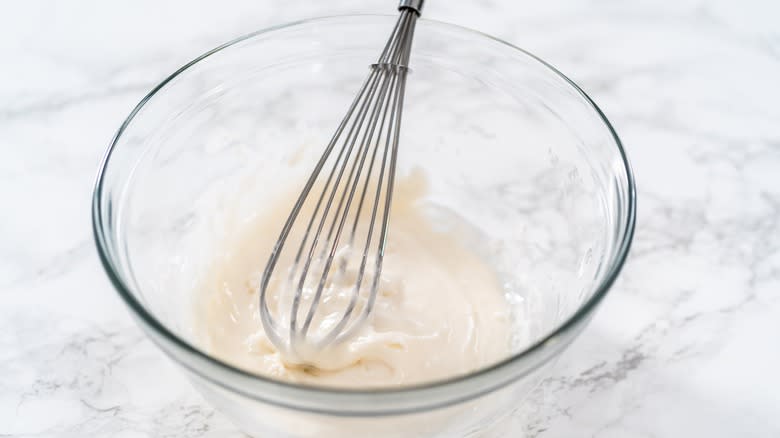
(310, 257)
(371, 124)
(342, 214)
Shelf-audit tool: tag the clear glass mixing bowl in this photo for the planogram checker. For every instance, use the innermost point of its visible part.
(508, 143)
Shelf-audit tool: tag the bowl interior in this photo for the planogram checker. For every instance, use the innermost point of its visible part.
(508, 146)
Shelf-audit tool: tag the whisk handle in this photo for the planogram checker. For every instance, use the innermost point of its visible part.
(415, 5)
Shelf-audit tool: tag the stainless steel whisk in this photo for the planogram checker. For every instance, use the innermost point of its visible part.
(367, 153)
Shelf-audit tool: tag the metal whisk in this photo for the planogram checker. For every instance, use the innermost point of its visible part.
(365, 147)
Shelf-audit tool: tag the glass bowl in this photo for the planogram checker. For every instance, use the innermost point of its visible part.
(507, 142)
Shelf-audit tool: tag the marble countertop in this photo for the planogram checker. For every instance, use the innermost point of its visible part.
(686, 345)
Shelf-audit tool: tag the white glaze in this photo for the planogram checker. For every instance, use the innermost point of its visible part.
(440, 310)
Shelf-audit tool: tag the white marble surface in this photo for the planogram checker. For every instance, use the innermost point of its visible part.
(686, 345)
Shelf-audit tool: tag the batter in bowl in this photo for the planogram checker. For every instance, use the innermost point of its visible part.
(440, 310)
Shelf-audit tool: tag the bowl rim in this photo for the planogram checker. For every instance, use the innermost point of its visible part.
(166, 338)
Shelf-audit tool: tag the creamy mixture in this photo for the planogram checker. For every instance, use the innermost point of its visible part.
(440, 311)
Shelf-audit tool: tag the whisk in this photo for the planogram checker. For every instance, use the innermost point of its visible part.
(365, 147)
